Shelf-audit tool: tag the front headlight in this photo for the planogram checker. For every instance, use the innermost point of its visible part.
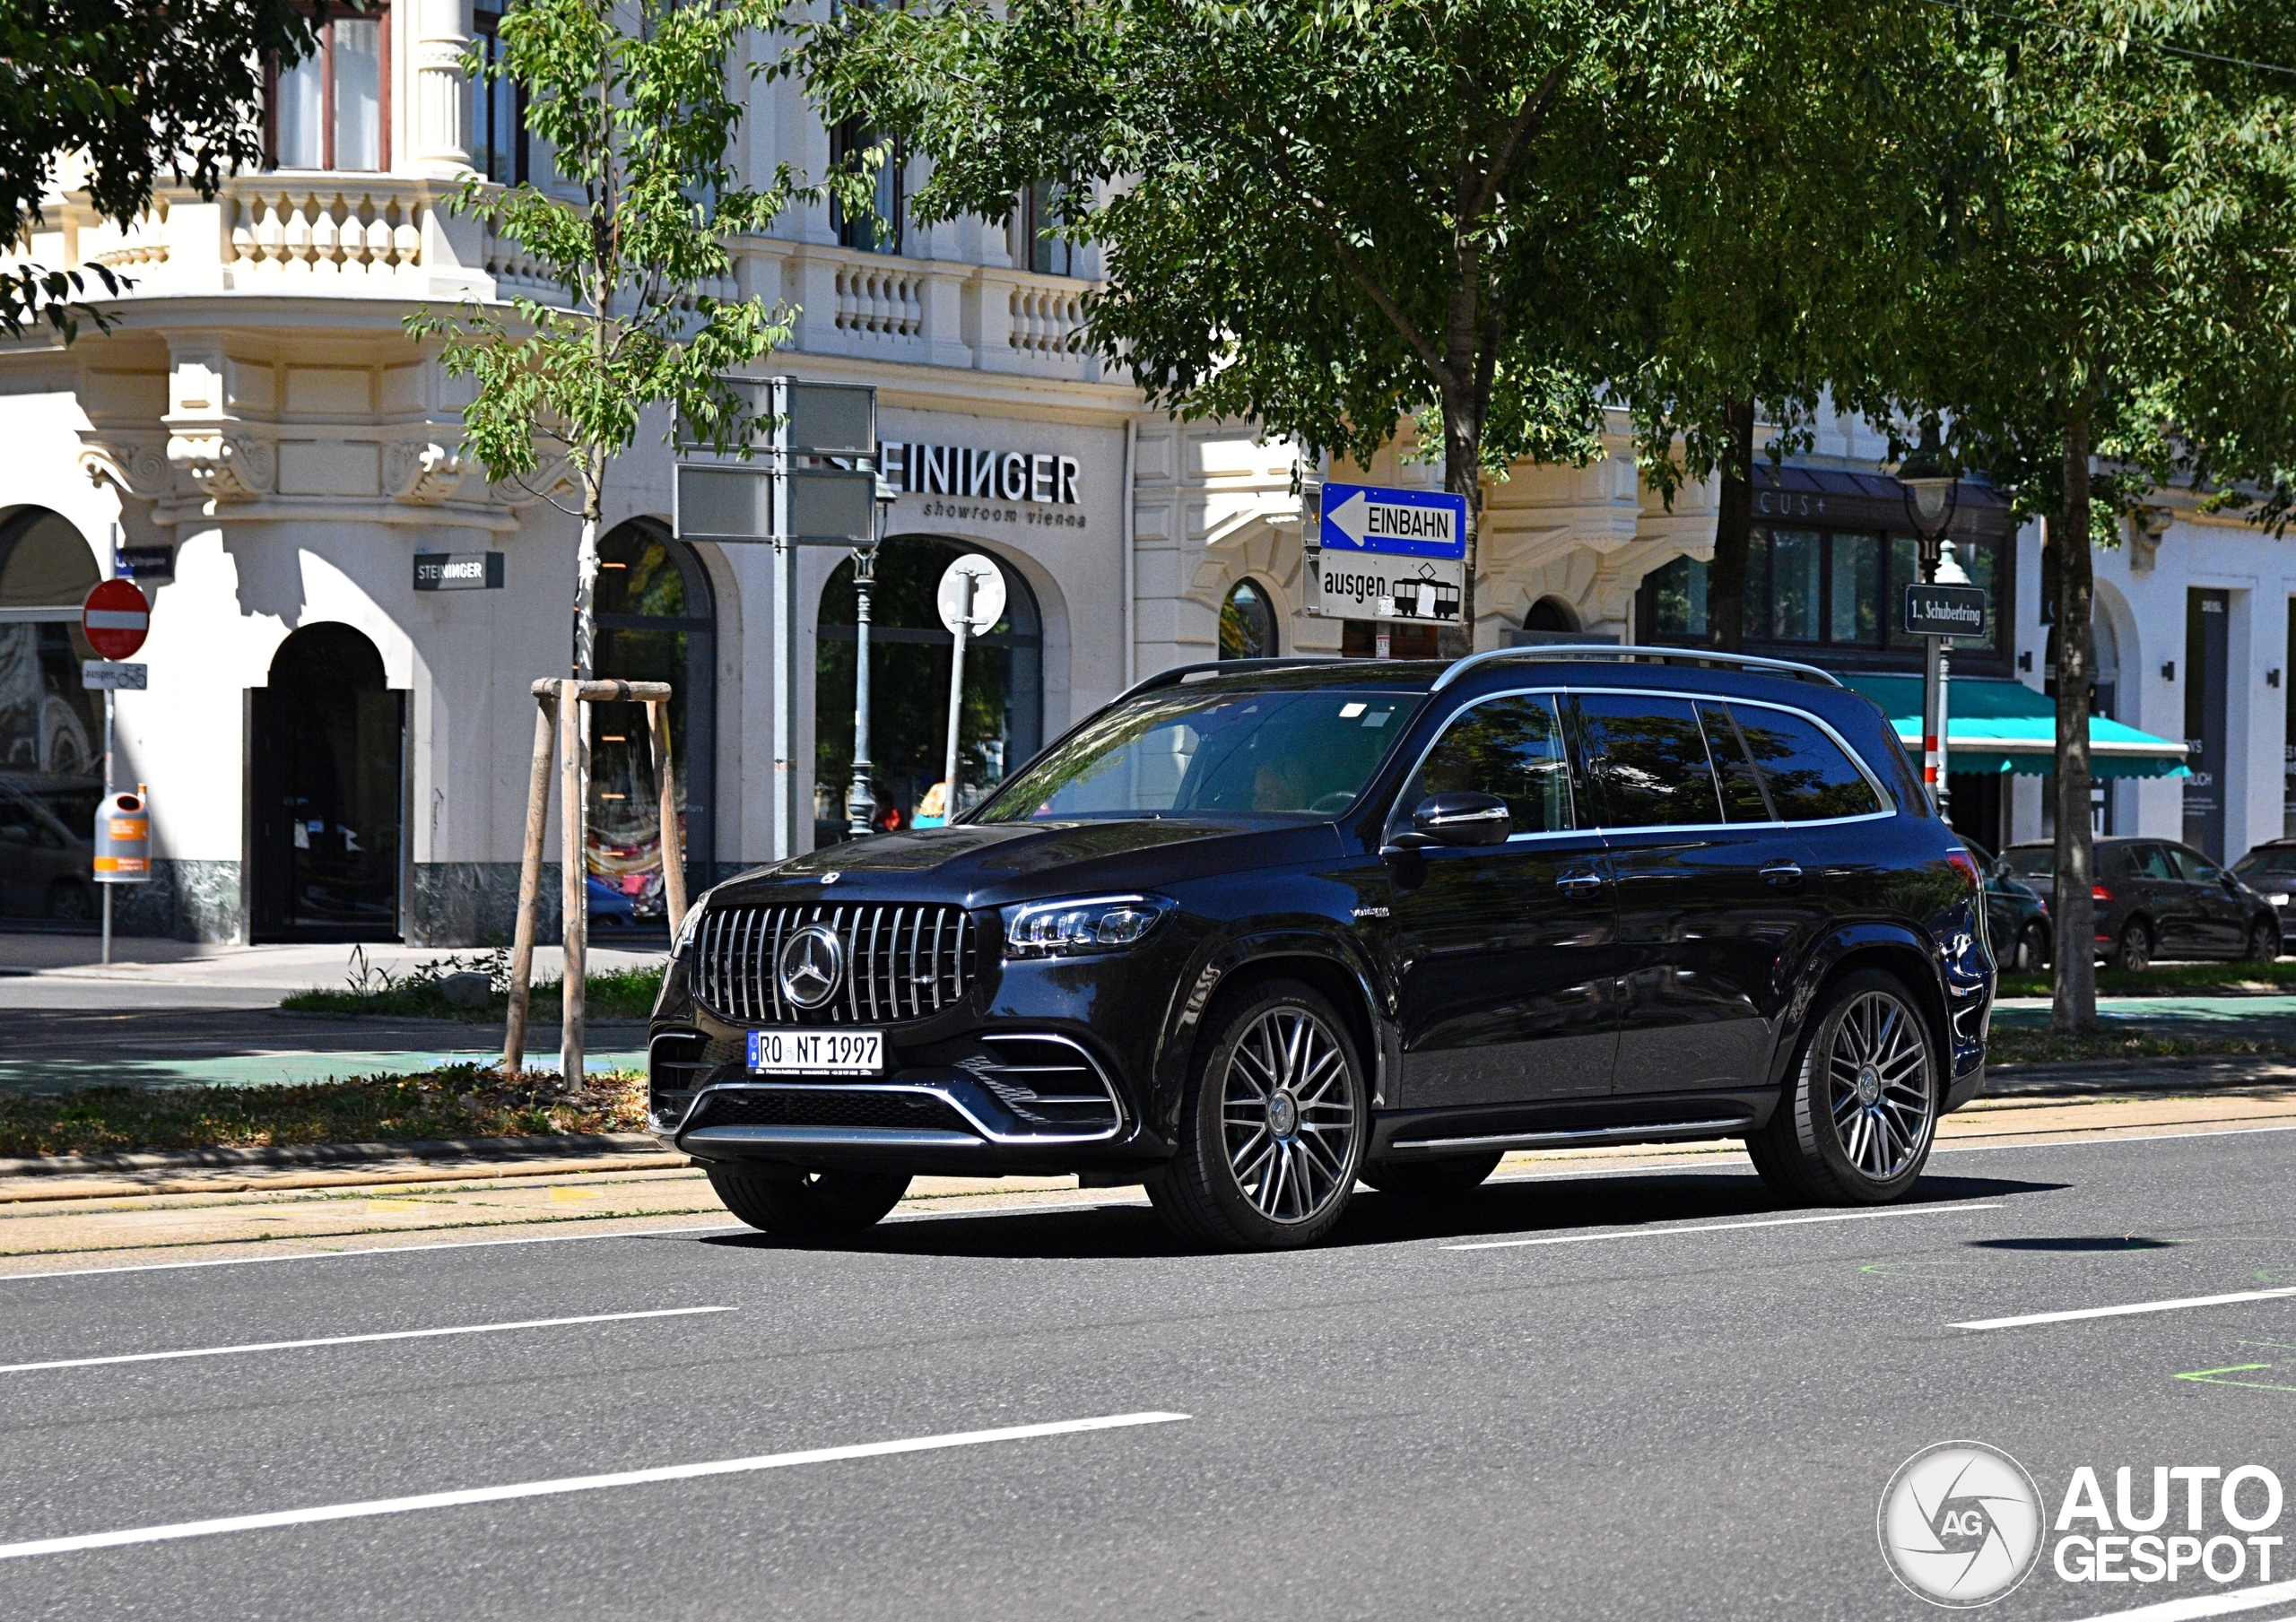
(1089, 924)
(2278, 898)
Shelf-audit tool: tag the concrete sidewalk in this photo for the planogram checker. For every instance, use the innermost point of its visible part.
(40, 971)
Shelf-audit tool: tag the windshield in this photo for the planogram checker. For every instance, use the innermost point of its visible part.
(2271, 859)
(1175, 752)
(2032, 861)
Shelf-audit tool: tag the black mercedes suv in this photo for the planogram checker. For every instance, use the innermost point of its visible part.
(1260, 930)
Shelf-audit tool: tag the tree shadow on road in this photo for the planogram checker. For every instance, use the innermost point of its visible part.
(1127, 1228)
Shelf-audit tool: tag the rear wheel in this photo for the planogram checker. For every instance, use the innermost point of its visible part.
(1271, 1138)
(1442, 1179)
(807, 1205)
(2134, 955)
(2264, 941)
(1860, 1113)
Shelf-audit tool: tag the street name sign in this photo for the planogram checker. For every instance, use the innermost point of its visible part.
(116, 618)
(1945, 611)
(457, 571)
(1395, 522)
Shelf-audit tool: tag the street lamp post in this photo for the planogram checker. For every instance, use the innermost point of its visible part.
(1932, 494)
(861, 797)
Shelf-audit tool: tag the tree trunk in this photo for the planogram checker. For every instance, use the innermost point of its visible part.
(1463, 476)
(2073, 1001)
(1733, 529)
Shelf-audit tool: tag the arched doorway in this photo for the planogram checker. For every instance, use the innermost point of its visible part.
(327, 769)
(657, 621)
(1551, 614)
(1002, 720)
(51, 728)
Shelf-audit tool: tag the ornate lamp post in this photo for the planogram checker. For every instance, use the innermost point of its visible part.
(861, 797)
(1931, 495)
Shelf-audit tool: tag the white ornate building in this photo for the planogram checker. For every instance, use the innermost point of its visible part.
(334, 753)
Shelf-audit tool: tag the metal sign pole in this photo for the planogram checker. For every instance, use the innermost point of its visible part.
(956, 709)
(861, 799)
(109, 697)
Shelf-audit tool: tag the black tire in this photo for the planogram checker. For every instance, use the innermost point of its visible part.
(1443, 1179)
(1253, 1173)
(2134, 953)
(2032, 947)
(1869, 1062)
(69, 902)
(811, 1205)
(2264, 941)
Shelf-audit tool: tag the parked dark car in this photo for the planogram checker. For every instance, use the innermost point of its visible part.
(2158, 899)
(47, 864)
(2270, 870)
(2016, 917)
(1258, 930)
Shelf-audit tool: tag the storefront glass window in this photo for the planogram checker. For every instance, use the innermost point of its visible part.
(1786, 575)
(1680, 589)
(1856, 607)
(1001, 724)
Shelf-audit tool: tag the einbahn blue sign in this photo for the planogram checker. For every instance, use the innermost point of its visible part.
(1395, 522)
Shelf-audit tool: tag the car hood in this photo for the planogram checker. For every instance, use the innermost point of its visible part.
(984, 864)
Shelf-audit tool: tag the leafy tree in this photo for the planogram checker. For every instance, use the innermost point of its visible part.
(1323, 218)
(2118, 288)
(129, 88)
(639, 121)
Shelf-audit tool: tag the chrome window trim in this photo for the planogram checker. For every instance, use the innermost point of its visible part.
(1889, 801)
(1398, 811)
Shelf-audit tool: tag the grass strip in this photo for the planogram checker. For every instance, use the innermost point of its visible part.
(2167, 979)
(460, 1101)
(621, 993)
(2047, 1047)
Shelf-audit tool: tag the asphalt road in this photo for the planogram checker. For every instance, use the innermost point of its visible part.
(1674, 1400)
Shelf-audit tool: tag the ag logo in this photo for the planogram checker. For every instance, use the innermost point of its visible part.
(1961, 1524)
(812, 963)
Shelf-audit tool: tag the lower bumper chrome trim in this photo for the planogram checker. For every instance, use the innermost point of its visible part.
(818, 1137)
(1655, 1132)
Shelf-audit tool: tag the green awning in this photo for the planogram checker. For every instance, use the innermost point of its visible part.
(1993, 726)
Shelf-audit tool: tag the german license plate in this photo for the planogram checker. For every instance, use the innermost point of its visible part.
(837, 1053)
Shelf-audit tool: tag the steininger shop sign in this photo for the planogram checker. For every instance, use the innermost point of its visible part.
(1389, 554)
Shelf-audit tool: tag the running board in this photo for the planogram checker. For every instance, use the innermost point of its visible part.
(1656, 1131)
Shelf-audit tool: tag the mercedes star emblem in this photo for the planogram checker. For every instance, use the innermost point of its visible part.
(812, 963)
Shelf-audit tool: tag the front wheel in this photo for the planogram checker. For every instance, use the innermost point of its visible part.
(1271, 1136)
(1860, 1113)
(1444, 1179)
(2032, 947)
(2134, 954)
(2264, 941)
(807, 1205)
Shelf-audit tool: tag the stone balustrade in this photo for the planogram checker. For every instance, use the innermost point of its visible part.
(283, 228)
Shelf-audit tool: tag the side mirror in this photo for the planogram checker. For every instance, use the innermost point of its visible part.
(1462, 817)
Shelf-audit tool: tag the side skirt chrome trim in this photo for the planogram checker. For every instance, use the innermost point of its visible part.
(1652, 1132)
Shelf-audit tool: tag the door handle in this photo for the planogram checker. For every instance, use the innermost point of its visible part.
(1784, 874)
(1579, 884)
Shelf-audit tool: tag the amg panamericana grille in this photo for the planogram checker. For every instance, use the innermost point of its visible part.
(900, 962)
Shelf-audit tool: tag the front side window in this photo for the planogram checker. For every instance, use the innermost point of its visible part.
(1511, 748)
(332, 109)
(1650, 758)
(1178, 752)
(1808, 776)
(2194, 867)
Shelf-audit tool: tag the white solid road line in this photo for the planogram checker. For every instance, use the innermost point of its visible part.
(377, 1249)
(568, 1484)
(398, 1334)
(2123, 1312)
(2222, 1604)
(1721, 1227)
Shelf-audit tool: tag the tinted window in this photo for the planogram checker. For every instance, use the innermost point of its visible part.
(1742, 800)
(2194, 867)
(2033, 861)
(1808, 775)
(2151, 862)
(1509, 747)
(1651, 758)
(2269, 859)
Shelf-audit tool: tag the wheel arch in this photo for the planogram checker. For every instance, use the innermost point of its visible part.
(1890, 947)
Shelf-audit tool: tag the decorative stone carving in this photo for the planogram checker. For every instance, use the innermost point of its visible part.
(2146, 525)
(555, 482)
(225, 467)
(422, 472)
(139, 469)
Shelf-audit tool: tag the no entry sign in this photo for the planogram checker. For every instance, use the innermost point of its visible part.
(115, 618)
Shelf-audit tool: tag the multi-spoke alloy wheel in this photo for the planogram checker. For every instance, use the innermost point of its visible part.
(1877, 1075)
(1860, 1108)
(1289, 1116)
(1271, 1132)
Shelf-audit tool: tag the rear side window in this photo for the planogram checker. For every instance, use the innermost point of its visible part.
(1809, 778)
(1651, 761)
(1743, 799)
(1511, 747)
(2152, 862)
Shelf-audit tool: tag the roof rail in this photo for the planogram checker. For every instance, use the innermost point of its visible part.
(1228, 667)
(1627, 652)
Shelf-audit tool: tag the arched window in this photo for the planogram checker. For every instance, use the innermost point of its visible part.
(50, 727)
(1003, 719)
(1246, 622)
(1551, 614)
(657, 621)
